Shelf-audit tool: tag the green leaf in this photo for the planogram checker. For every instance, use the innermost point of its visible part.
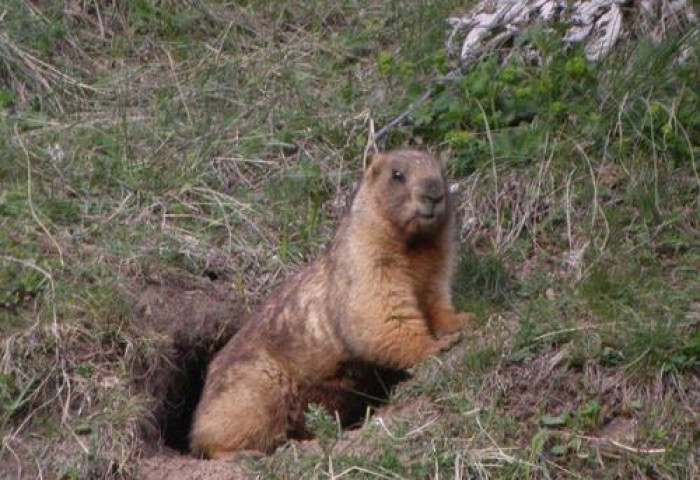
(550, 421)
(520, 355)
(559, 450)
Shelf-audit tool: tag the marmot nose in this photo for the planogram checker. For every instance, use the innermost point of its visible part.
(433, 190)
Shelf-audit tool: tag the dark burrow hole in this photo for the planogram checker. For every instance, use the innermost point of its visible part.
(179, 384)
(177, 391)
(212, 275)
(366, 387)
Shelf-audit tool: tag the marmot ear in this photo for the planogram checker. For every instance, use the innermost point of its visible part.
(372, 167)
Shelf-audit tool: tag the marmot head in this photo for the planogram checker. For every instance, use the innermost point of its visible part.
(408, 188)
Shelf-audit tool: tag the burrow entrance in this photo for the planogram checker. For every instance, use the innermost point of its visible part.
(180, 392)
(196, 319)
(191, 318)
(182, 387)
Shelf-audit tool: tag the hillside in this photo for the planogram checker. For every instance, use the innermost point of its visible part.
(165, 164)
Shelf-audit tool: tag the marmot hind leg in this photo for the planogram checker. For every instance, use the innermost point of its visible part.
(249, 412)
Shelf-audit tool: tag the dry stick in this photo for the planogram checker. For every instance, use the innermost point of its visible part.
(64, 416)
(415, 104)
(57, 74)
(596, 203)
(380, 421)
(494, 169)
(66, 407)
(654, 156)
(559, 467)
(241, 206)
(29, 197)
(362, 470)
(504, 455)
(565, 330)
(567, 202)
(220, 17)
(37, 461)
(99, 19)
(36, 72)
(620, 130)
(628, 448)
(6, 445)
(452, 75)
(179, 89)
(48, 277)
(33, 412)
(371, 142)
(223, 41)
(540, 181)
(36, 11)
(119, 210)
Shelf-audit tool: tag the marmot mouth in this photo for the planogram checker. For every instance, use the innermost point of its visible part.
(427, 220)
(424, 219)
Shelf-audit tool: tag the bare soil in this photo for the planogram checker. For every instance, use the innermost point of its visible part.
(180, 467)
(190, 319)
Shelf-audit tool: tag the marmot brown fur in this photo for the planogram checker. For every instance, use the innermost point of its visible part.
(379, 296)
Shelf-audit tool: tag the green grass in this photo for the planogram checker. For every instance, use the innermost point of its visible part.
(143, 141)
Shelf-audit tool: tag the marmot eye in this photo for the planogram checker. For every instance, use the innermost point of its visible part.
(397, 175)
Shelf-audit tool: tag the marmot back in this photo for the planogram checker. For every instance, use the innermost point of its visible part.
(380, 296)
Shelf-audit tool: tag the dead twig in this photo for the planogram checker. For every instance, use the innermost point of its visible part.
(432, 89)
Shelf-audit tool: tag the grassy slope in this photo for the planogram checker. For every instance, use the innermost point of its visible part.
(223, 141)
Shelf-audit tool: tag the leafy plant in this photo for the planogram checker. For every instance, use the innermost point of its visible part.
(323, 426)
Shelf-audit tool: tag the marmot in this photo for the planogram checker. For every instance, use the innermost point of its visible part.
(380, 295)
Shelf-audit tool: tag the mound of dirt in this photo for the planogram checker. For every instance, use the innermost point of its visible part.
(547, 385)
(172, 467)
(188, 306)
